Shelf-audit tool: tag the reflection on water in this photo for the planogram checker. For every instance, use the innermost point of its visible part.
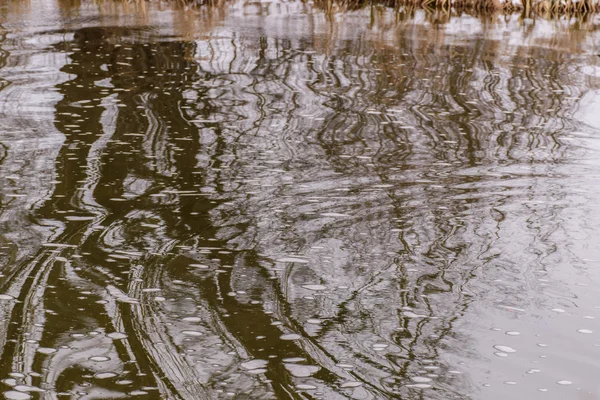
(261, 202)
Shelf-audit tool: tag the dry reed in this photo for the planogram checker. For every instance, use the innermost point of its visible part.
(528, 8)
(443, 8)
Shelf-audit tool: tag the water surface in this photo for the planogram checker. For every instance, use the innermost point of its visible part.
(266, 202)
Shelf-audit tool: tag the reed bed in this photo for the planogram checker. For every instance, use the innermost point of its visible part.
(538, 6)
(548, 9)
(527, 8)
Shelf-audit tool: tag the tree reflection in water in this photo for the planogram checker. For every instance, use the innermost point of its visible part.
(260, 209)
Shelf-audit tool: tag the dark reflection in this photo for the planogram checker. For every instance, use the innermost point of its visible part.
(258, 213)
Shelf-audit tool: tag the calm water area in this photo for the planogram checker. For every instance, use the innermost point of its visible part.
(267, 201)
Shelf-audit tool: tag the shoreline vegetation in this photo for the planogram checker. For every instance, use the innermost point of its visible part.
(441, 9)
(438, 11)
(528, 8)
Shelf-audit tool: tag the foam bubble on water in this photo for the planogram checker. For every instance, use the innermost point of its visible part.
(504, 349)
(585, 331)
(28, 388)
(105, 375)
(9, 381)
(192, 333)
(501, 354)
(117, 335)
(14, 395)
(254, 364)
(294, 360)
(510, 383)
(257, 371)
(199, 266)
(314, 287)
(558, 310)
(533, 371)
(302, 371)
(305, 387)
(314, 321)
(46, 350)
(6, 297)
(99, 358)
(351, 384)
(379, 346)
(513, 333)
(564, 382)
(192, 319)
(124, 382)
(290, 336)
(420, 379)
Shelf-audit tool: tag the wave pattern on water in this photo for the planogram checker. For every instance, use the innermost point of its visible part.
(281, 206)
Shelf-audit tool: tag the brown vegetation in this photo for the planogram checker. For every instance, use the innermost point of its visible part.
(529, 8)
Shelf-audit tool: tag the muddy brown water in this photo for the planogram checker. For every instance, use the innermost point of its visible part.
(264, 202)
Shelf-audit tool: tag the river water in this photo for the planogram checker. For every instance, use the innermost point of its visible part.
(264, 201)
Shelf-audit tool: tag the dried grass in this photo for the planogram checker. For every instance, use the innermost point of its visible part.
(528, 8)
(442, 8)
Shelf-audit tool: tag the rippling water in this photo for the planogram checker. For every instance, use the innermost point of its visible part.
(263, 201)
